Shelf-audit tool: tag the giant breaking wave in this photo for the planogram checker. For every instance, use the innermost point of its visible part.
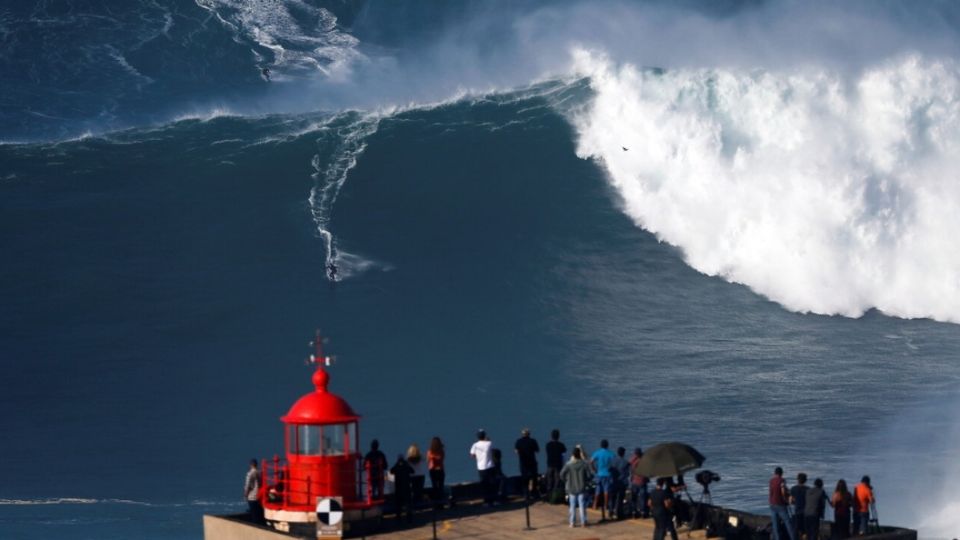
(827, 193)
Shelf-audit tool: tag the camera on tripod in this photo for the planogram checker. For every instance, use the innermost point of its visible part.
(706, 477)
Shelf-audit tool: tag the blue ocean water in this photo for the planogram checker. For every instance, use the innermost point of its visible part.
(167, 220)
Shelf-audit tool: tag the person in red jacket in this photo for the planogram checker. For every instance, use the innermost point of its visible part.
(862, 499)
(779, 496)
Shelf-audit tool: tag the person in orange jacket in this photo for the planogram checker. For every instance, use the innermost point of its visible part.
(862, 499)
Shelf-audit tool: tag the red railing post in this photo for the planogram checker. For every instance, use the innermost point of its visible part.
(276, 472)
(286, 488)
(261, 488)
(369, 478)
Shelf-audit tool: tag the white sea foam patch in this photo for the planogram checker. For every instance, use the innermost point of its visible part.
(85, 501)
(942, 522)
(67, 500)
(826, 193)
(300, 37)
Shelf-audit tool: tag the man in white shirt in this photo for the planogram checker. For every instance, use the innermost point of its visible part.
(481, 451)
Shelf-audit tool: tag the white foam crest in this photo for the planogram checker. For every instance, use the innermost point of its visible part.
(204, 115)
(294, 133)
(825, 193)
(86, 135)
(302, 38)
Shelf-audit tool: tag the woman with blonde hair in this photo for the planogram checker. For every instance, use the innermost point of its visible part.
(418, 479)
(435, 455)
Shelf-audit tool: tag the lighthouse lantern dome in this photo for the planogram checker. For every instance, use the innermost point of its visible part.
(320, 407)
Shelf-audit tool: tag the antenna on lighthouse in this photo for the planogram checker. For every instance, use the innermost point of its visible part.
(318, 357)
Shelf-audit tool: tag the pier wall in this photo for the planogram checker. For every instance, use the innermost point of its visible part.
(714, 518)
(236, 527)
(719, 518)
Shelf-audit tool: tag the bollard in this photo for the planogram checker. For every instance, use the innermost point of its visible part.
(526, 506)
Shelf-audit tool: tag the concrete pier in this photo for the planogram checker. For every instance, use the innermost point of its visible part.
(473, 520)
(509, 523)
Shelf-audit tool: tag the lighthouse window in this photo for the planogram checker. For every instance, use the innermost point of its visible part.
(308, 440)
(351, 442)
(333, 437)
(327, 440)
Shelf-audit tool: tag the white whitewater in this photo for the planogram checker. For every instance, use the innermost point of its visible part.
(302, 38)
(826, 193)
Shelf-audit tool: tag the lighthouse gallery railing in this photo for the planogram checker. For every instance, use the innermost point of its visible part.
(280, 492)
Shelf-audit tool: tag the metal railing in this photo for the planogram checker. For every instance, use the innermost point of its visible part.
(298, 491)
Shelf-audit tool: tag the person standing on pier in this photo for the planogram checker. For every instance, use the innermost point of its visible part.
(620, 469)
(418, 480)
(435, 455)
(816, 504)
(601, 465)
(681, 510)
(376, 462)
(498, 476)
(402, 487)
(251, 492)
(555, 451)
(661, 508)
(798, 497)
(527, 449)
(638, 487)
(575, 475)
(480, 451)
(862, 500)
(842, 503)
(778, 505)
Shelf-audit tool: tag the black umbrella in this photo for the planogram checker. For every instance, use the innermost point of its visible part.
(668, 459)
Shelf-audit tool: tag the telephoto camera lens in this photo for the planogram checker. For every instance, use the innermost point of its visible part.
(705, 477)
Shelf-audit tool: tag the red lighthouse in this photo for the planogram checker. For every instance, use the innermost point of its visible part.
(323, 459)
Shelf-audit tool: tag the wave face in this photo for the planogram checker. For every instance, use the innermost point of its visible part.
(826, 194)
